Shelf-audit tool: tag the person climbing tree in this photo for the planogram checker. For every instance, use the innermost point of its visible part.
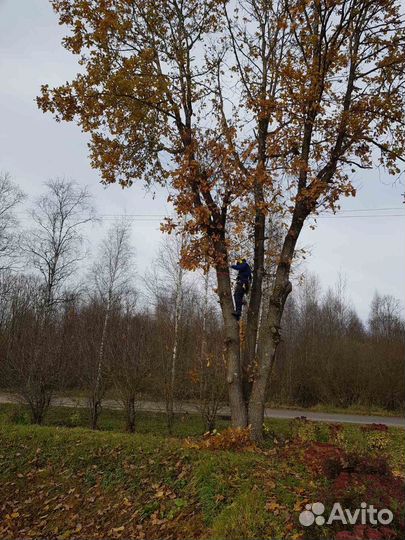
(242, 285)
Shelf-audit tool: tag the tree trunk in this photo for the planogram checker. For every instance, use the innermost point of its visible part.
(249, 350)
(269, 337)
(267, 347)
(232, 350)
(173, 367)
(130, 413)
(102, 344)
(95, 401)
(39, 404)
(253, 314)
(95, 410)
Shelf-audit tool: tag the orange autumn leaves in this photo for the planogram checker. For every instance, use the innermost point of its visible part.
(196, 96)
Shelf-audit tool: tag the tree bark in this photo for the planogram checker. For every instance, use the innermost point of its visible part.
(269, 337)
(269, 340)
(130, 412)
(249, 352)
(102, 344)
(95, 401)
(95, 410)
(232, 350)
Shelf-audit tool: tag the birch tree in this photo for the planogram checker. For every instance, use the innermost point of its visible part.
(10, 197)
(112, 275)
(167, 285)
(54, 246)
(174, 357)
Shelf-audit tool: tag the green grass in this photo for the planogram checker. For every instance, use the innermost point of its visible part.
(165, 486)
(246, 518)
(186, 425)
(216, 482)
(69, 482)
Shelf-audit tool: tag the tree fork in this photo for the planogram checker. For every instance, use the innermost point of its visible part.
(258, 263)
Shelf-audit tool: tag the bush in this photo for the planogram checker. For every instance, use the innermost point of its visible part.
(357, 478)
(354, 463)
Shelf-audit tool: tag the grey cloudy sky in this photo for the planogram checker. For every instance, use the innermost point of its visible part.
(368, 250)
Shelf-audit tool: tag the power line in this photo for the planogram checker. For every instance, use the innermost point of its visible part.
(332, 216)
(353, 217)
(159, 217)
(372, 209)
(164, 215)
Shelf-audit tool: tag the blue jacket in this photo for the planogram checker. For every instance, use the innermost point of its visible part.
(244, 272)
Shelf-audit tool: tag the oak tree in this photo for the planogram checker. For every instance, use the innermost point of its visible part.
(249, 112)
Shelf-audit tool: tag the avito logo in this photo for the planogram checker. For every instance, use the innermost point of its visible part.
(366, 514)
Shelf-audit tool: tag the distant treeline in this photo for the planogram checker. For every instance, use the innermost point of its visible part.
(327, 355)
(161, 336)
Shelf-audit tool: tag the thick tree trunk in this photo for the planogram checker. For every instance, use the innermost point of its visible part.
(269, 337)
(249, 352)
(232, 350)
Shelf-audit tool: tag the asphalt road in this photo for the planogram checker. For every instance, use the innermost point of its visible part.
(190, 408)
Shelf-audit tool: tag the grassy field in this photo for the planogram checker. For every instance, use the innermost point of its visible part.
(69, 482)
(110, 420)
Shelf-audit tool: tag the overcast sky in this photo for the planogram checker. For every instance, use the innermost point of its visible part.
(368, 250)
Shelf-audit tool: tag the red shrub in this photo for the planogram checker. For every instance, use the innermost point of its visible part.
(375, 427)
(356, 478)
(318, 455)
(363, 532)
(345, 535)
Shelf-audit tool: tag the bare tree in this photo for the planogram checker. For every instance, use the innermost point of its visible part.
(54, 245)
(129, 350)
(33, 362)
(167, 284)
(10, 197)
(385, 317)
(112, 274)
